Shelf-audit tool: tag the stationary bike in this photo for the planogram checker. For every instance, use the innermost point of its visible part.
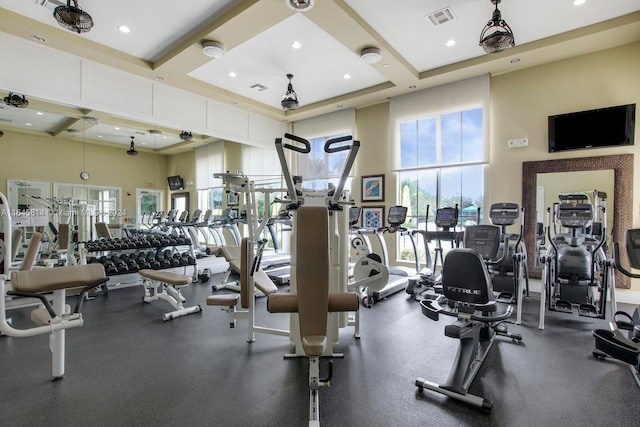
(613, 343)
(468, 296)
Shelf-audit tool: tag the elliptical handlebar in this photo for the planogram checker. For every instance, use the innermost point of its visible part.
(618, 264)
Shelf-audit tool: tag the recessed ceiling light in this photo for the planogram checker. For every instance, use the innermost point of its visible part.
(116, 128)
(124, 29)
(450, 43)
(38, 38)
(28, 124)
(347, 76)
(99, 136)
(39, 113)
(232, 74)
(579, 2)
(296, 45)
(386, 65)
(160, 78)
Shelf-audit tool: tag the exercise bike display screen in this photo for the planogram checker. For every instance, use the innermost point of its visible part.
(447, 217)
(397, 215)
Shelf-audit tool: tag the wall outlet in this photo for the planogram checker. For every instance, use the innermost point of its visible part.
(518, 143)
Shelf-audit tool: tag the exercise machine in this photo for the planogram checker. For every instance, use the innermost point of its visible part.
(510, 278)
(613, 343)
(428, 282)
(467, 295)
(319, 264)
(572, 273)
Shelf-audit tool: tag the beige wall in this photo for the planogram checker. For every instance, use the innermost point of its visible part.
(36, 158)
(520, 104)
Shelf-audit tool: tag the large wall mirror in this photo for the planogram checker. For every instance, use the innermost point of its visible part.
(619, 207)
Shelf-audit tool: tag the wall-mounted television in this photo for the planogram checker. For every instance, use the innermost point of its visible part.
(603, 127)
(175, 182)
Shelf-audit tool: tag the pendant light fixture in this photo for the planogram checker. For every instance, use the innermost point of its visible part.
(496, 35)
(290, 99)
(132, 150)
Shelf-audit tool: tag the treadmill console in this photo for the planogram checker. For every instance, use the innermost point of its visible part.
(446, 217)
(354, 215)
(632, 238)
(484, 239)
(574, 215)
(397, 215)
(504, 213)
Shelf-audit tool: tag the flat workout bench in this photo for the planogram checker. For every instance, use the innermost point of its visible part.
(166, 286)
(52, 318)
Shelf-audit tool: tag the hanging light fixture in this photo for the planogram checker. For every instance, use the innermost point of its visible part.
(500, 39)
(73, 18)
(132, 150)
(290, 99)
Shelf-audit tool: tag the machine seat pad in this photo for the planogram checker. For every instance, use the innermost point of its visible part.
(165, 277)
(225, 300)
(52, 279)
(231, 253)
(264, 283)
(314, 345)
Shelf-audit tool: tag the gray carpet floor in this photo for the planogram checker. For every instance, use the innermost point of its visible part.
(126, 367)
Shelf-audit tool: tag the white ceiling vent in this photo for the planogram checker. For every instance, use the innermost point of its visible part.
(258, 87)
(441, 16)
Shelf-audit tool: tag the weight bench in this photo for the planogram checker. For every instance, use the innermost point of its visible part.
(160, 285)
(261, 281)
(54, 317)
(313, 302)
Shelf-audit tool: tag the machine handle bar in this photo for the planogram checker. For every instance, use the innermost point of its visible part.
(307, 145)
(328, 146)
(618, 265)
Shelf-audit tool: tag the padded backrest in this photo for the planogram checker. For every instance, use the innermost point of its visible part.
(64, 234)
(465, 277)
(16, 241)
(31, 256)
(312, 269)
(102, 230)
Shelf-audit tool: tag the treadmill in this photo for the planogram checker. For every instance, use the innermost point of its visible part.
(398, 279)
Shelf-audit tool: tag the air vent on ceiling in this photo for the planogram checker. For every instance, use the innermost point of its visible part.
(259, 87)
(441, 16)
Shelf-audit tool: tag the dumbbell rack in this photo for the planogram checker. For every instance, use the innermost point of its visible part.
(128, 255)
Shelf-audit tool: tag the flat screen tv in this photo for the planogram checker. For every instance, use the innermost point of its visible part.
(175, 182)
(603, 127)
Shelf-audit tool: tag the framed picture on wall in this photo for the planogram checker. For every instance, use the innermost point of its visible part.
(232, 199)
(373, 216)
(372, 188)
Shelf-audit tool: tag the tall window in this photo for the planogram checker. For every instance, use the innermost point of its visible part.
(441, 164)
(319, 169)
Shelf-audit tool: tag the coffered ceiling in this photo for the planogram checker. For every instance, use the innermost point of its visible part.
(265, 40)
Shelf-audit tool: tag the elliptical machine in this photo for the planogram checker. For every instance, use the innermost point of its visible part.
(613, 343)
(571, 274)
(428, 282)
(509, 276)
